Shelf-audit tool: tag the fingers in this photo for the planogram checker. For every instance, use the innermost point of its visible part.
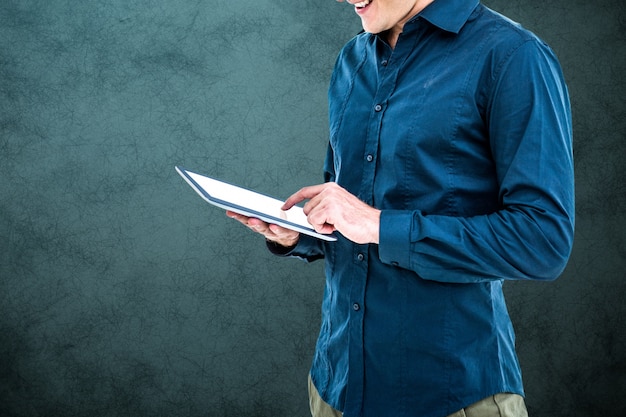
(273, 232)
(305, 193)
(239, 217)
(329, 208)
(251, 222)
(324, 202)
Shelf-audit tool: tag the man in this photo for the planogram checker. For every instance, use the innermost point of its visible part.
(449, 170)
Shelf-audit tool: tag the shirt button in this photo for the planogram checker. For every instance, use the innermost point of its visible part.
(384, 62)
(356, 306)
(360, 257)
(369, 158)
(378, 107)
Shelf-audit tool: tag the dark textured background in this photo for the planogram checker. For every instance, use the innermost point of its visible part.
(123, 294)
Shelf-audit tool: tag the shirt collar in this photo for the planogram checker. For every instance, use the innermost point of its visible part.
(449, 15)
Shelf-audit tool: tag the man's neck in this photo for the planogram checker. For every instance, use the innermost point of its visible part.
(392, 35)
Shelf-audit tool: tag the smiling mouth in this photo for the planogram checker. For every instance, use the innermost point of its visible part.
(362, 4)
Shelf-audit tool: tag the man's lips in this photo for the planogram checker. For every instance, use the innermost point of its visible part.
(357, 4)
(361, 6)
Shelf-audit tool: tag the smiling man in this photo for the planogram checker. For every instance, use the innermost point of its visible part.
(449, 171)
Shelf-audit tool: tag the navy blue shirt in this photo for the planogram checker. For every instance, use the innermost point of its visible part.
(461, 135)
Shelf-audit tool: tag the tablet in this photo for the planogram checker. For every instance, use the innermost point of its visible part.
(250, 203)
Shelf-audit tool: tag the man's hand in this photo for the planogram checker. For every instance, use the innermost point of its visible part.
(273, 232)
(331, 207)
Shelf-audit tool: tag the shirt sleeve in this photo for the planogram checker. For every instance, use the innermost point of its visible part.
(308, 249)
(528, 120)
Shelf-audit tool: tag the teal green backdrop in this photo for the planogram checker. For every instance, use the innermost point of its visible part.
(122, 293)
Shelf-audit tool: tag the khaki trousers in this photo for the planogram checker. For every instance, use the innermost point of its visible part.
(319, 407)
(499, 405)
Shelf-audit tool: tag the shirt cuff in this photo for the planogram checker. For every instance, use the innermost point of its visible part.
(278, 249)
(306, 249)
(394, 246)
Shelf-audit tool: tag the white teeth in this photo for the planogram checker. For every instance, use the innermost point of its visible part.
(363, 3)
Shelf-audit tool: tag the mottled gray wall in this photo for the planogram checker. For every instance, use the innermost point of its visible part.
(123, 293)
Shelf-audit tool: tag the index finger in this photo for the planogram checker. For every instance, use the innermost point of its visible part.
(305, 193)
